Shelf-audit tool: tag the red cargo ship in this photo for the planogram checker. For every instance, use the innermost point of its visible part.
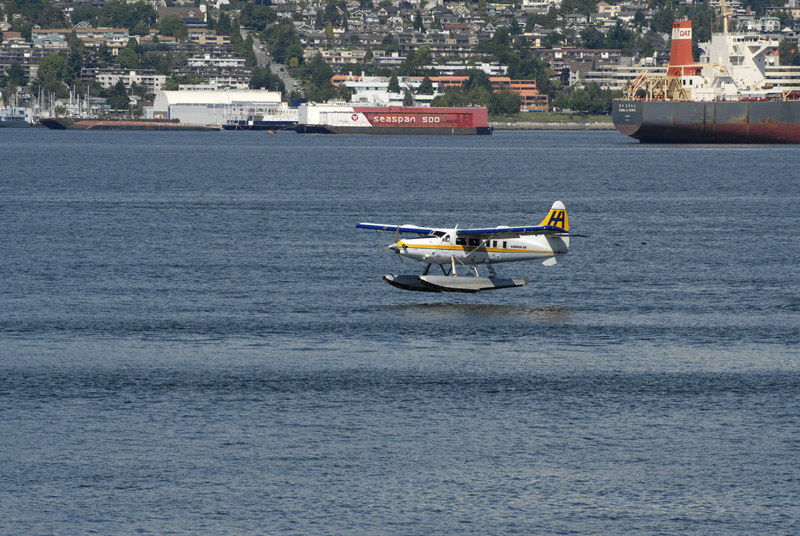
(333, 119)
(710, 102)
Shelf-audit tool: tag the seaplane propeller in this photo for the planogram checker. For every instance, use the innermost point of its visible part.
(396, 237)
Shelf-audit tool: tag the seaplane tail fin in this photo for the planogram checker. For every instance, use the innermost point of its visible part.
(557, 217)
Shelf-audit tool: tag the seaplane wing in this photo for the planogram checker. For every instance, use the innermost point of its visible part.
(407, 228)
(514, 232)
(454, 248)
(555, 224)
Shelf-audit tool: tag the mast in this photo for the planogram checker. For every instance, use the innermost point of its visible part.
(724, 12)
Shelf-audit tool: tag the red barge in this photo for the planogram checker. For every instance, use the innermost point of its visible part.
(345, 119)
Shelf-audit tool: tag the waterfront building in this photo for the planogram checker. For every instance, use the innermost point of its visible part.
(206, 105)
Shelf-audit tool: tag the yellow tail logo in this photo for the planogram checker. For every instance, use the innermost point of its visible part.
(557, 218)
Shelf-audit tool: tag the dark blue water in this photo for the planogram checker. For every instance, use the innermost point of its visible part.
(195, 339)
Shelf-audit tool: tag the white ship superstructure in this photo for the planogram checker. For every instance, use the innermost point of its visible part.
(733, 67)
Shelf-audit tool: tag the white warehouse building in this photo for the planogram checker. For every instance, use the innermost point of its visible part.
(205, 106)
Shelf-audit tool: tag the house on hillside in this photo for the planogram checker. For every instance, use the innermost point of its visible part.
(194, 17)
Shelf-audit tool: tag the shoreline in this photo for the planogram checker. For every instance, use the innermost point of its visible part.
(554, 125)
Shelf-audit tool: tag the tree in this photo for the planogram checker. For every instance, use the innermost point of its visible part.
(477, 78)
(639, 19)
(423, 56)
(787, 52)
(16, 75)
(331, 13)
(249, 54)
(329, 34)
(295, 52)
(408, 99)
(592, 38)
(224, 24)
(505, 102)
(418, 26)
(118, 96)
(319, 74)
(394, 85)
(426, 87)
(128, 59)
(104, 57)
(619, 37)
(648, 49)
(173, 25)
(84, 12)
(52, 68)
(561, 102)
(580, 101)
(590, 100)
(389, 43)
(257, 16)
(174, 82)
(501, 38)
(662, 19)
(158, 60)
(116, 14)
(263, 78)
(440, 101)
(344, 93)
(480, 95)
(141, 28)
(75, 58)
(552, 40)
(280, 37)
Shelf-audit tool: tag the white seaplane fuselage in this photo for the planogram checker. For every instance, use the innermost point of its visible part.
(445, 246)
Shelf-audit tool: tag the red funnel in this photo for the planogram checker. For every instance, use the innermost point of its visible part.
(681, 61)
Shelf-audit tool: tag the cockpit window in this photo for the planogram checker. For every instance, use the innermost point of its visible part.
(446, 238)
(438, 233)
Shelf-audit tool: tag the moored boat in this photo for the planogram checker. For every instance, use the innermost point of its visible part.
(282, 117)
(714, 101)
(347, 119)
(15, 117)
(65, 123)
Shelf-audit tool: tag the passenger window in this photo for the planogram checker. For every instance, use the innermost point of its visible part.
(460, 242)
(473, 242)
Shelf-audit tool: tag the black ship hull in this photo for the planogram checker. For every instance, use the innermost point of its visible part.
(708, 122)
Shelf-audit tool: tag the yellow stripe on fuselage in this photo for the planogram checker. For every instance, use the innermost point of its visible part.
(470, 249)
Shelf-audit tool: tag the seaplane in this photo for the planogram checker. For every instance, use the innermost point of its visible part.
(457, 249)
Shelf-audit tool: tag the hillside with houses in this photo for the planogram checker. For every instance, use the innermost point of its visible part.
(530, 55)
